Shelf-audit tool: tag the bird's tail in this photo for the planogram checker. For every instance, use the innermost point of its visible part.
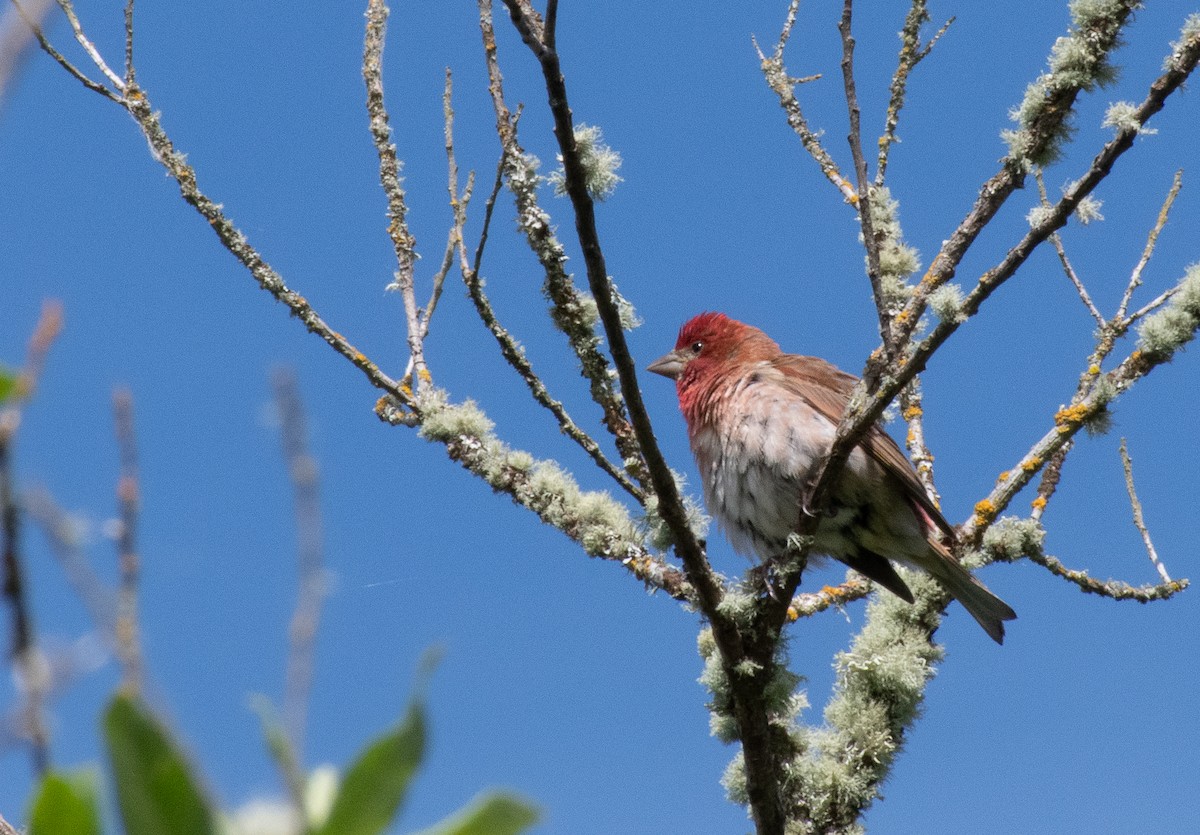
(990, 611)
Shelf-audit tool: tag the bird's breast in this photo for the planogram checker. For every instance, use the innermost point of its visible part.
(756, 455)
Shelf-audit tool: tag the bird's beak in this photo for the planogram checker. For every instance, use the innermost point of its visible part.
(670, 365)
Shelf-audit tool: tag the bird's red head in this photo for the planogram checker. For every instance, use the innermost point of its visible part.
(709, 346)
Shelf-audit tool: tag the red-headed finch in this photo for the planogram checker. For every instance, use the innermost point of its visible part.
(760, 421)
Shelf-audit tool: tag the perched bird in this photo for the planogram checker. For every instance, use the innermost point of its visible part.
(760, 422)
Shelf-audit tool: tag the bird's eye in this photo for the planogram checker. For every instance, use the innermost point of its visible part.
(697, 347)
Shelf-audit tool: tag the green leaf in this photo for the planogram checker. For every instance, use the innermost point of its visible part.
(374, 787)
(495, 813)
(156, 792)
(65, 804)
(8, 383)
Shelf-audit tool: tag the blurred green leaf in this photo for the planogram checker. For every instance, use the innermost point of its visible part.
(8, 383)
(374, 787)
(490, 814)
(155, 789)
(65, 804)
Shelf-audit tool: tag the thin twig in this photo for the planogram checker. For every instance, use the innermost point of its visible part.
(912, 410)
(569, 308)
(26, 658)
(515, 356)
(403, 241)
(18, 26)
(854, 137)
(1072, 276)
(911, 54)
(62, 532)
(856, 421)
(1114, 589)
(783, 85)
(1139, 521)
(1135, 278)
(58, 57)
(1037, 137)
(808, 604)
(128, 642)
(130, 75)
(458, 205)
(1051, 476)
(762, 747)
(1090, 400)
(69, 9)
(306, 617)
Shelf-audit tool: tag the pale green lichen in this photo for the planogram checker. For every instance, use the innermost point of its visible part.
(1172, 327)
(1189, 32)
(1088, 210)
(1011, 538)
(599, 523)
(599, 161)
(881, 680)
(897, 260)
(443, 421)
(1078, 61)
(1122, 116)
(738, 606)
(1038, 215)
(947, 303)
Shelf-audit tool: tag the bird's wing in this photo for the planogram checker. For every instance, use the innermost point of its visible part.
(827, 389)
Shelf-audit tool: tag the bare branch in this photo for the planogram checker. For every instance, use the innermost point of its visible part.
(515, 356)
(1135, 278)
(670, 504)
(569, 310)
(1115, 589)
(130, 75)
(389, 176)
(128, 643)
(808, 604)
(61, 532)
(544, 488)
(1051, 475)
(458, 205)
(311, 588)
(27, 661)
(18, 25)
(870, 240)
(1041, 132)
(783, 85)
(914, 440)
(1072, 276)
(1138, 520)
(911, 54)
(60, 59)
(857, 420)
(69, 9)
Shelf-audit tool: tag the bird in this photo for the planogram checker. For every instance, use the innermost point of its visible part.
(760, 423)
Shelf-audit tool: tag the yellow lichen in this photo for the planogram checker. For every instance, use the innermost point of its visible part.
(1093, 370)
(985, 510)
(1032, 465)
(1002, 477)
(1039, 503)
(1070, 415)
(913, 412)
(793, 613)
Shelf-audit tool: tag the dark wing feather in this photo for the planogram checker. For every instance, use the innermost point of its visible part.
(827, 389)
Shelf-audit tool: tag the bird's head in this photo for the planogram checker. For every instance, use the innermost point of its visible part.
(709, 344)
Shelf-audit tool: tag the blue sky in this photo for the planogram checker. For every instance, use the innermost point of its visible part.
(561, 677)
